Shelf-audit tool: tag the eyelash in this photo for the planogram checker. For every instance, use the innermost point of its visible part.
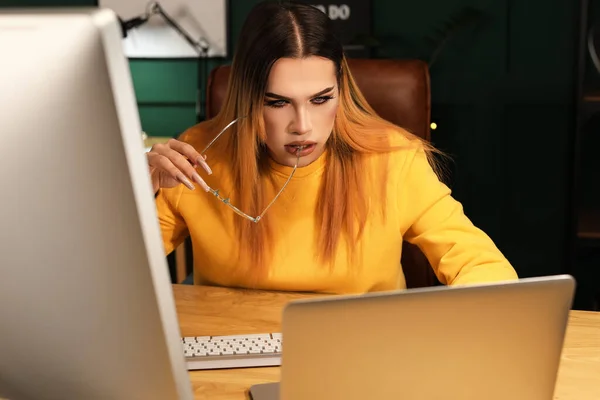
(280, 103)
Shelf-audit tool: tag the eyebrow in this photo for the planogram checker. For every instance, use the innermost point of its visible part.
(280, 97)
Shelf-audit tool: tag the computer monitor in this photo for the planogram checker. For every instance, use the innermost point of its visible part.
(86, 303)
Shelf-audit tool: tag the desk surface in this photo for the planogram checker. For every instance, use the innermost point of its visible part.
(217, 311)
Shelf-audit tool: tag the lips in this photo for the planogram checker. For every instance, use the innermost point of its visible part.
(301, 143)
(306, 147)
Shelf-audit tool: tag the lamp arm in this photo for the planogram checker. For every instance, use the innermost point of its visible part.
(200, 46)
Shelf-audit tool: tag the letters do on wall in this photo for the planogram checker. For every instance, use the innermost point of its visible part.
(352, 19)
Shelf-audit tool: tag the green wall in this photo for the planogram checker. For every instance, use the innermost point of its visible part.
(502, 98)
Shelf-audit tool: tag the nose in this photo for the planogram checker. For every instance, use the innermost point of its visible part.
(302, 123)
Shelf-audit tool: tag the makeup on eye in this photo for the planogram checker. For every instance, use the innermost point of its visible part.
(319, 98)
(316, 101)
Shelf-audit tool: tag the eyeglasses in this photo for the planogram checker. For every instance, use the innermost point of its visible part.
(226, 201)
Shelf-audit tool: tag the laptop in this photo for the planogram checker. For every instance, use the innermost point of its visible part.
(492, 341)
(86, 302)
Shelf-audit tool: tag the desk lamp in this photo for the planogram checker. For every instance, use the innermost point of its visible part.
(201, 46)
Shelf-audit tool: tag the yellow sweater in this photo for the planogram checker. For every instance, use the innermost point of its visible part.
(420, 210)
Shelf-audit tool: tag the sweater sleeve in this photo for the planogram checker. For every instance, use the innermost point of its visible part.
(172, 225)
(458, 251)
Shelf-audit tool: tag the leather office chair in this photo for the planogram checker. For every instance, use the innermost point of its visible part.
(398, 90)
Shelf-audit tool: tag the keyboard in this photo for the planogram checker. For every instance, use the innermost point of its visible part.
(235, 351)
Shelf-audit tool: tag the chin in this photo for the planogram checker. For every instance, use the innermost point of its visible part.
(303, 161)
(290, 161)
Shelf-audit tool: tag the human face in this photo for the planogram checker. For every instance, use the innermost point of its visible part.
(300, 104)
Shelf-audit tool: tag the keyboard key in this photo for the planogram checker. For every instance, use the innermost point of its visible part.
(234, 351)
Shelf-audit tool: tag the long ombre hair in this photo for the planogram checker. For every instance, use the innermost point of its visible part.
(274, 30)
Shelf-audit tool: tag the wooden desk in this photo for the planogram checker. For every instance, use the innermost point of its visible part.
(152, 140)
(216, 311)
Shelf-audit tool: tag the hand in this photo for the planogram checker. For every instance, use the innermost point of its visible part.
(175, 162)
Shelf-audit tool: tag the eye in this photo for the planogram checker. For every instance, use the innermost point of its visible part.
(276, 103)
(321, 100)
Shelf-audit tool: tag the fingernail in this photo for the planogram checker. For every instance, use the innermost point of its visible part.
(204, 165)
(200, 181)
(185, 181)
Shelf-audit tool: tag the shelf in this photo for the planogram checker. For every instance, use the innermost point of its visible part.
(589, 224)
(592, 97)
(590, 104)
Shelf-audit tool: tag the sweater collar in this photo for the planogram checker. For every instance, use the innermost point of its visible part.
(301, 172)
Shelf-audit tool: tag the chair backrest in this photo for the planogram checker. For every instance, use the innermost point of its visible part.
(398, 90)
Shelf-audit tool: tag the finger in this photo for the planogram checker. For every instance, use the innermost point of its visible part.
(191, 153)
(200, 181)
(180, 161)
(181, 178)
(179, 154)
(186, 149)
(163, 163)
(184, 166)
(202, 162)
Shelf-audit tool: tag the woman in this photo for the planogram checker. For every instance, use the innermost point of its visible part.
(307, 189)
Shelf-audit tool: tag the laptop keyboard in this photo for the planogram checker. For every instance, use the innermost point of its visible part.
(234, 351)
